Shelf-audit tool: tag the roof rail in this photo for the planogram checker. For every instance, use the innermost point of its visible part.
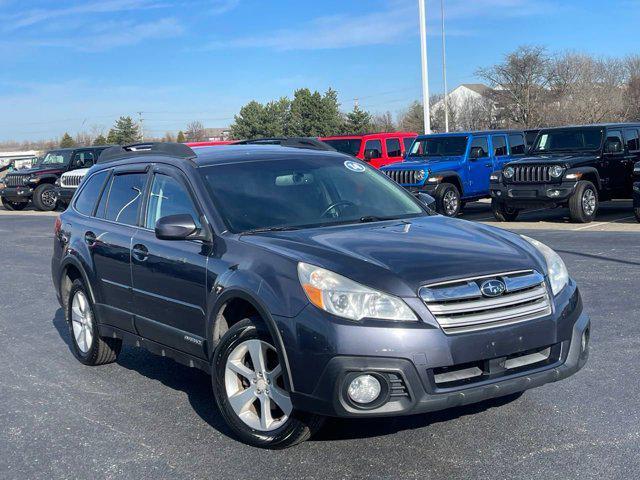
(309, 143)
(169, 149)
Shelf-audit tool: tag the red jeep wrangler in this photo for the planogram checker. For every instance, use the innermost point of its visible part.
(378, 149)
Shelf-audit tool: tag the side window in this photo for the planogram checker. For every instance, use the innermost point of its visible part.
(168, 197)
(83, 160)
(517, 144)
(408, 141)
(88, 196)
(499, 145)
(372, 149)
(631, 139)
(482, 145)
(393, 147)
(613, 143)
(124, 197)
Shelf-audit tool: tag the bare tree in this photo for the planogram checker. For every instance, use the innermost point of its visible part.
(384, 122)
(195, 132)
(632, 89)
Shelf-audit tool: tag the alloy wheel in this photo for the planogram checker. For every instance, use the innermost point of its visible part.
(82, 322)
(255, 386)
(450, 202)
(589, 202)
(49, 198)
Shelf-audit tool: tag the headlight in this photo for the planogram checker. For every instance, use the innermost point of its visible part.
(556, 269)
(509, 172)
(345, 298)
(34, 179)
(57, 182)
(556, 171)
(419, 175)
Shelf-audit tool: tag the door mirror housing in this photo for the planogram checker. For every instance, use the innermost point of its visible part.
(475, 153)
(371, 153)
(176, 227)
(427, 200)
(636, 170)
(612, 146)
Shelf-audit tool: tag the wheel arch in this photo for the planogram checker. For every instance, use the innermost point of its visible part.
(452, 177)
(72, 268)
(590, 174)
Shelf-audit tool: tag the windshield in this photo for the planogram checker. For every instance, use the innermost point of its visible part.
(350, 146)
(56, 158)
(439, 147)
(571, 139)
(305, 192)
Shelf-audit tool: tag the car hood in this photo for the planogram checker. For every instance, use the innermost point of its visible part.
(38, 169)
(400, 256)
(78, 172)
(568, 160)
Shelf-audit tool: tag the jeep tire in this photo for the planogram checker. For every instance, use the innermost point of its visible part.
(44, 197)
(502, 212)
(250, 390)
(448, 201)
(11, 206)
(583, 204)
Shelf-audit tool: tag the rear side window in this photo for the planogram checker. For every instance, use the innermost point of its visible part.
(631, 139)
(373, 149)
(124, 197)
(482, 143)
(499, 145)
(88, 197)
(393, 147)
(408, 141)
(516, 144)
(169, 197)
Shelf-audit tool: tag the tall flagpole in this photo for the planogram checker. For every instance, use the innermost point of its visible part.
(444, 71)
(425, 71)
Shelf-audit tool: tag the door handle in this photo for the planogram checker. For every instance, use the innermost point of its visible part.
(90, 238)
(140, 252)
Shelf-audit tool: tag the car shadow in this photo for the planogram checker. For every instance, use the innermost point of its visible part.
(197, 386)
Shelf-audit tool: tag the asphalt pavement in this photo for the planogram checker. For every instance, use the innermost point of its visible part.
(149, 417)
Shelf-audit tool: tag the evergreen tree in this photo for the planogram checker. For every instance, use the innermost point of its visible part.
(111, 137)
(250, 121)
(314, 114)
(124, 131)
(357, 121)
(181, 138)
(100, 140)
(67, 141)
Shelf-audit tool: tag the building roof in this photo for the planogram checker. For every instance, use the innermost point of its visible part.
(479, 88)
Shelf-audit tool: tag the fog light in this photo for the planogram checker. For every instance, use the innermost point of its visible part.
(364, 389)
(553, 193)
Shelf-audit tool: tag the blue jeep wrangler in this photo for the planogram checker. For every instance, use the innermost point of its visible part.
(454, 168)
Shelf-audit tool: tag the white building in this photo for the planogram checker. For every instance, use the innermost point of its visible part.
(462, 93)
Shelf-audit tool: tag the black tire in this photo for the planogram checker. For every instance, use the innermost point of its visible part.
(44, 197)
(636, 211)
(448, 201)
(297, 428)
(502, 213)
(583, 204)
(102, 350)
(13, 206)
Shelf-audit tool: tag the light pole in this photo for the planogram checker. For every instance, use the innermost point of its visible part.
(444, 71)
(425, 69)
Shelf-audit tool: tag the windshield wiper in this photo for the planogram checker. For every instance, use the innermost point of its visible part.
(269, 229)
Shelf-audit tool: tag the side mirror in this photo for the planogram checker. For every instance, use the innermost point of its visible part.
(427, 200)
(612, 146)
(175, 227)
(475, 153)
(371, 153)
(404, 154)
(636, 170)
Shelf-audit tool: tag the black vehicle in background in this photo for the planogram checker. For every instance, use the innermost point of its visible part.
(576, 167)
(636, 191)
(38, 182)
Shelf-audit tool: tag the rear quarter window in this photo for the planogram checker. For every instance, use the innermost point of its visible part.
(88, 196)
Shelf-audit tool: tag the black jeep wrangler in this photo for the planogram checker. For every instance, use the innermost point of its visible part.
(636, 191)
(569, 166)
(38, 183)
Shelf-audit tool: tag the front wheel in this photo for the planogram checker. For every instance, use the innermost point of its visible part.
(448, 201)
(502, 212)
(11, 206)
(249, 387)
(45, 198)
(583, 204)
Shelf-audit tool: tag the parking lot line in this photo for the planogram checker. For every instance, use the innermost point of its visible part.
(598, 224)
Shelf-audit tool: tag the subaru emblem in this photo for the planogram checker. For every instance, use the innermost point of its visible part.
(493, 288)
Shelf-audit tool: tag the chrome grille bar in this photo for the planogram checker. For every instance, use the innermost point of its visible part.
(531, 174)
(16, 180)
(403, 177)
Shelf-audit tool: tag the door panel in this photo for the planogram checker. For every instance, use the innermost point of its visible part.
(480, 168)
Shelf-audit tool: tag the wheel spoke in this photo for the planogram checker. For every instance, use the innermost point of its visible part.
(265, 413)
(241, 401)
(88, 337)
(275, 373)
(241, 369)
(82, 302)
(256, 351)
(281, 399)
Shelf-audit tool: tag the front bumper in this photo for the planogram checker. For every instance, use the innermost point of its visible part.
(17, 194)
(64, 195)
(327, 356)
(429, 188)
(532, 195)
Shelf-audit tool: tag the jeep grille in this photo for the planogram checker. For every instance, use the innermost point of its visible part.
(16, 180)
(403, 177)
(459, 305)
(531, 174)
(70, 180)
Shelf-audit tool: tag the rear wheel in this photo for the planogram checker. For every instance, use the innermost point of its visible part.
(249, 387)
(502, 212)
(448, 200)
(11, 206)
(87, 345)
(583, 204)
(44, 197)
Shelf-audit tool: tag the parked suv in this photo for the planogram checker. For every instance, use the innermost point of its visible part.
(636, 191)
(378, 149)
(38, 183)
(313, 287)
(67, 184)
(454, 168)
(576, 167)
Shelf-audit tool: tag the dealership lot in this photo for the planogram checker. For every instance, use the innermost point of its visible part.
(150, 417)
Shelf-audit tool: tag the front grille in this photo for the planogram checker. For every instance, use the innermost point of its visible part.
(71, 180)
(403, 177)
(16, 180)
(531, 174)
(459, 306)
(397, 386)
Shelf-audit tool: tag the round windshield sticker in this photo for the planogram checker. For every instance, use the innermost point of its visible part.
(354, 166)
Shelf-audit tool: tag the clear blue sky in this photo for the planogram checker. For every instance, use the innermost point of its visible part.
(68, 64)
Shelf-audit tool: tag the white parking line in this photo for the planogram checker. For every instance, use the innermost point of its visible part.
(598, 224)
